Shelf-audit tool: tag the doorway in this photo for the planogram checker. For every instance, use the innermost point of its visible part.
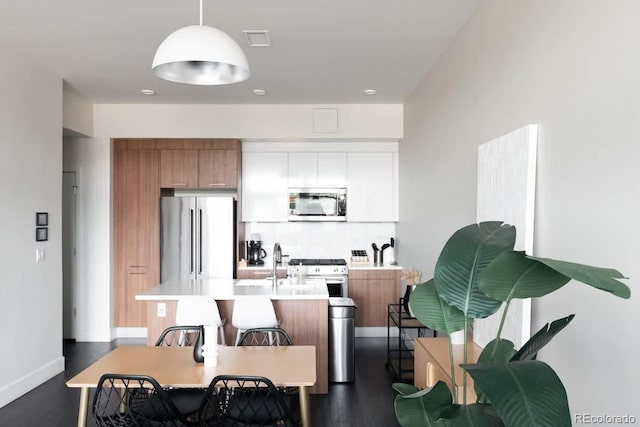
(69, 234)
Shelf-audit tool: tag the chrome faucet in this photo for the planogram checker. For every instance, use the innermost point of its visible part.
(277, 257)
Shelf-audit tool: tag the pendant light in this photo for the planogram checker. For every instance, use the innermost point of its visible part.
(200, 55)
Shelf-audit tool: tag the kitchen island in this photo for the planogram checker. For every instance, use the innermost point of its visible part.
(301, 309)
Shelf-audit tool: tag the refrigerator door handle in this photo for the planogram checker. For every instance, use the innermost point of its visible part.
(192, 235)
(200, 244)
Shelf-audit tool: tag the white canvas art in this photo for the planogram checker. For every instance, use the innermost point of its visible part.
(506, 192)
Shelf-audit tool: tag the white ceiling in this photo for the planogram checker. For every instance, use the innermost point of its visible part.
(323, 52)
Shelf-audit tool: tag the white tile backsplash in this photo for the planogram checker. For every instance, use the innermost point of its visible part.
(321, 239)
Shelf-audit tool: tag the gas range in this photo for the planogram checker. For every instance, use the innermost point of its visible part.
(334, 271)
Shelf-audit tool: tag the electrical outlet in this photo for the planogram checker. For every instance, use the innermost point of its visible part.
(162, 309)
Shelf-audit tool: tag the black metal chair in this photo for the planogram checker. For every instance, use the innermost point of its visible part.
(265, 337)
(273, 337)
(179, 336)
(247, 401)
(188, 400)
(135, 401)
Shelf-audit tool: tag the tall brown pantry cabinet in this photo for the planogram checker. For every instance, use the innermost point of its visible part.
(136, 238)
(141, 167)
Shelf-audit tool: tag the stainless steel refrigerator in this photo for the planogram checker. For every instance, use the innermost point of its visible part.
(197, 237)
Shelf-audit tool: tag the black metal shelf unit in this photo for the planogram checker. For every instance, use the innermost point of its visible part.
(399, 356)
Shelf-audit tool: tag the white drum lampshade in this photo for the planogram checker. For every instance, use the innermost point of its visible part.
(200, 55)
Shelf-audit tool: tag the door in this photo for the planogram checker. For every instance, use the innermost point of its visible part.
(216, 234)
(177, 243)
(69, 283)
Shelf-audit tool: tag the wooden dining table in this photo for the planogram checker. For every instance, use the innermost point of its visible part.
(285, 366)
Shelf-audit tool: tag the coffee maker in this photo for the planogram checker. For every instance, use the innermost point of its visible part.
(255, 253)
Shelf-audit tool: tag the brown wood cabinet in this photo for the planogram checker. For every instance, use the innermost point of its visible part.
(210, 164)
(260, 273)
(372, 290)
(136, 230)
(140, 168)
(178, 168)
(218, 168)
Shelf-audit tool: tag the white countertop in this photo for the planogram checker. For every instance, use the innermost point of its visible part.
(231, 289)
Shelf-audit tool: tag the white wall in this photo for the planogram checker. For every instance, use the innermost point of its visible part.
(91, 160)
(77, 112)
(30, 182)
(572, 67)
(244, 121)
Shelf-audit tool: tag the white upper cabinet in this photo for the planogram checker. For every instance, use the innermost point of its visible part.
(308, 169)
(265, 195)
(372, 187)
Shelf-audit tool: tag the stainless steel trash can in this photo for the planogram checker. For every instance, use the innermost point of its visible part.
(341, 340)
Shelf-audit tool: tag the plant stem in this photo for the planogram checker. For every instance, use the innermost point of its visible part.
(504, 318)
(464, 356)
(453, 375)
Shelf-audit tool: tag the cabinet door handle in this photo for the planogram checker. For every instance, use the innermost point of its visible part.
(137, 266)
(217, 184)
(178, 184)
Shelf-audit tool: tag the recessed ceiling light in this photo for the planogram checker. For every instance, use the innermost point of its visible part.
(259, 92)
(369, 91)
(257, 38)
(148, 92)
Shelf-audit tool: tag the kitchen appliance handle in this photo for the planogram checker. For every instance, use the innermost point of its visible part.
(200, 242)
(192, 235)
(333, 280)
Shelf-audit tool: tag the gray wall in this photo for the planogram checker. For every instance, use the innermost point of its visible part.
(30, 182)
(572, 67)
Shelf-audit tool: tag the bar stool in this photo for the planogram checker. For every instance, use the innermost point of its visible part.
(253, 312)
(200, 311)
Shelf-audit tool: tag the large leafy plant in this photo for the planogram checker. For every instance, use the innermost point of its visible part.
(476, 273)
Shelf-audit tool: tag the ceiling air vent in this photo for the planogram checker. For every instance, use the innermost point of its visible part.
(257, 38)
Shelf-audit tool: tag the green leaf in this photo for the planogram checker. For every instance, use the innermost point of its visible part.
(497, 350)
(405, 389)
(600, 278)
(469, 251)
(526, 393)
(530, 349)
(514, 275)
(473, 415)
(432, 312)
(423, 408)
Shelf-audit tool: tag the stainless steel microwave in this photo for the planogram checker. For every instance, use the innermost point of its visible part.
(317, 204)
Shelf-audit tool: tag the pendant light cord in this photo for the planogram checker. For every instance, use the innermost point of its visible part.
(201, 13)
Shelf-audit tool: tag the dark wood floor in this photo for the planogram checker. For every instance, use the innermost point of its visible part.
(367, 402)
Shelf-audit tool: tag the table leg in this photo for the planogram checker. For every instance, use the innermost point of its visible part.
(305, 411)
(84, 407)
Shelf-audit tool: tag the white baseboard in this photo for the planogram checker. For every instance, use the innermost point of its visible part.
(128, 333)
(23, 385)
(375, 332)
